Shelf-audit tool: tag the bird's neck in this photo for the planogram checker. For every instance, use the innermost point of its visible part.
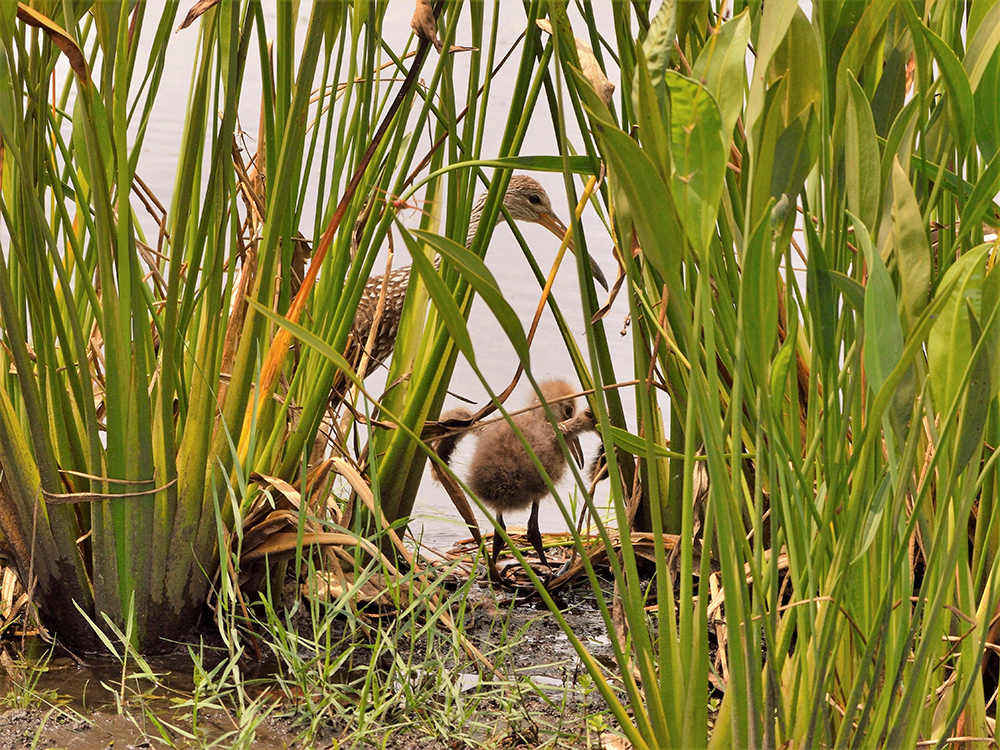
(477, 214)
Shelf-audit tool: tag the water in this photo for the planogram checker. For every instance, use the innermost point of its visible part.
(437, 520)
(53, 701)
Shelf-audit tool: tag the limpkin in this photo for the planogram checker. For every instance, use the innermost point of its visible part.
(525, 199)
(503, 474)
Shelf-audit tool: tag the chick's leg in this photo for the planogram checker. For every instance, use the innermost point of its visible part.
(498, 538)
(535, 536)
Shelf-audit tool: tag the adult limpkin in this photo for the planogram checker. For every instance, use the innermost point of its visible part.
(525, 199)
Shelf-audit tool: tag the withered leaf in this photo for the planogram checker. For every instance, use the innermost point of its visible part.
(196, 10)
(588, 62)
(59, 37)
(424, 24)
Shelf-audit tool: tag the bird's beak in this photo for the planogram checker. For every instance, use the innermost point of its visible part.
(554, 225)
(574, 447)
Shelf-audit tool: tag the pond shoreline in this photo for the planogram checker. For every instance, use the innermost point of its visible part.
(541, 692)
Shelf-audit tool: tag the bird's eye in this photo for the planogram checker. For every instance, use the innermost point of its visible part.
(534, 199)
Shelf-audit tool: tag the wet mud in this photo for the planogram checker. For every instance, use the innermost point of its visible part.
(69, 705)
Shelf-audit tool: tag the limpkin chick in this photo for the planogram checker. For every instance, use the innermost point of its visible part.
(525, 199)
(503, 474)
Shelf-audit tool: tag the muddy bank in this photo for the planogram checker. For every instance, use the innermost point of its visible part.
(540, 694)
(56, 727)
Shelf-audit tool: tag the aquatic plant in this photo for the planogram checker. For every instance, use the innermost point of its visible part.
(796, 199)
(801, 233)
(131, 362)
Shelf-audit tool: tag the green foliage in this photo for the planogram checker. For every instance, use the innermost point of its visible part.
(813, 316)
(845, 424)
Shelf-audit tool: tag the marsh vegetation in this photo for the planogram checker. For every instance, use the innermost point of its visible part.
(795, 540)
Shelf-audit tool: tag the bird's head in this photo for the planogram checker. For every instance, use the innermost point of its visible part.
(526, 200)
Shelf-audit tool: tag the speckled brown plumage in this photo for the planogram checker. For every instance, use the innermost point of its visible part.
(395, 294)
(525, 199)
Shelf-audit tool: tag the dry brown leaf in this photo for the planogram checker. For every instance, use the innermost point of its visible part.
(196, 10)
(55, 498)
(284, 488)
(257, 533)
(424, 24)
(614, 742)
(13, 598)
(59, 37)
(324, 586)
(284, 544)
(588, 62)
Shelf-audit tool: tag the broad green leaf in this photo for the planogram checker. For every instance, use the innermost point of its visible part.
(797, 61)
(8, 12)
(853, 292)
(6, 99)
(837, 22)
(783, 363)
(978, 395)
(781, 132)
(983, 47)
(475, 272)
(991, 299)
(652, 107)
(721, 64)
(899, 142)
(891, 93)
(950, 343)
(907, 241)
(690, 13)
(780, 127)
(987, 101)
(775, 21)
(700, 153)
(596, 108)
(977, 12)
(884, 342)
(642, 195)
(758, 299)
(795, 153)
(883, 331)
(781, 156)
(861, 158)
(980, 206)
(863, 36)
(658, 46)
(762, 155)
(873, 518)
(959, 92)
(821, 299)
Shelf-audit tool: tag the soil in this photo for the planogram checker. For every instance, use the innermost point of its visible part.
(68, 707)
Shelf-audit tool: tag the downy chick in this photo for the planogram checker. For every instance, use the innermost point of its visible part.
(503, 474)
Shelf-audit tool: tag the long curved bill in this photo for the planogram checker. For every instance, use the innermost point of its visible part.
(576, 450)
(554, 225)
